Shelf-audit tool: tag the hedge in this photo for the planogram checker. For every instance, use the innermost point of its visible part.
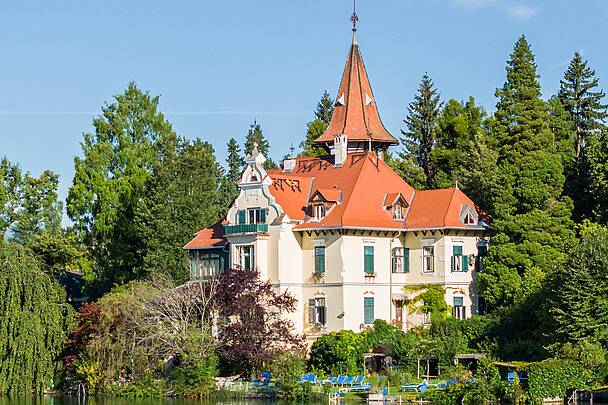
(554, 378)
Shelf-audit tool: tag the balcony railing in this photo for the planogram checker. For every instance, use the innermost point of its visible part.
(245, 228)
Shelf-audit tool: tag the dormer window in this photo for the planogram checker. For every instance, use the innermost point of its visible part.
(253, 178)
(398, 212)
(318, 211)
(469, 219)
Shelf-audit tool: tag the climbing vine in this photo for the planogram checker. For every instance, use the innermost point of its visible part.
(33, 323)
(428, 299)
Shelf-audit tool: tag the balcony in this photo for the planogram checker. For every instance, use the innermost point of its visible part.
(245, 229)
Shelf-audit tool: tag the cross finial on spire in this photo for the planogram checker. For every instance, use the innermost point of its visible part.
(354, 18)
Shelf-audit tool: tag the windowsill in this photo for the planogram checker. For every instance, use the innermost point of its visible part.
(370, 275)
(428, 274)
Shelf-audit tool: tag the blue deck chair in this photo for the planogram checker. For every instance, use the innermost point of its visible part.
(359, 380)
(407, 387)
(304, 378)
(348, 381)
(422, 387)
(340, 380)
(312, 378)
(329, 380)
(360, 387)
(384, 391)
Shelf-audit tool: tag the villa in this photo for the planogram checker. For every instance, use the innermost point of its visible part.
(344, 233)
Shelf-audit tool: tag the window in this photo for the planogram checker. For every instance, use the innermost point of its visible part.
(398, 212)
(319, 211)
(469, 219)
(368, 310)
(482, 252)
(205, 263)
(241, 218)
(319, 259)
(368, 260)
(428, 259)
(245, 257)
(459, 261)
(458, 309)
(316, 311)
(401, 260)
(257, 215)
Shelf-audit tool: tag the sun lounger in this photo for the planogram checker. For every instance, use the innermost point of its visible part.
(340, 380)
(348, 381)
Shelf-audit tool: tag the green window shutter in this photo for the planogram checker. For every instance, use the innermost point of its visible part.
(311, 311)
(320, 259)
(457, 250)
(394, 261)
(406, 260)
(262, 215)
(465, 263)
(368, 259)
(241, 217)
(453, 263)
(368, 310)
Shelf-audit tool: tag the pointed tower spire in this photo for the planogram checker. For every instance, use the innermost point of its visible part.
(354, 18)
(355, 112)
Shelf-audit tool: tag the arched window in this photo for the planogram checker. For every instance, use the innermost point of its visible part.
(398, 212)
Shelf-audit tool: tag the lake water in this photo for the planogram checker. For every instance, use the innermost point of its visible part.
(130, 401)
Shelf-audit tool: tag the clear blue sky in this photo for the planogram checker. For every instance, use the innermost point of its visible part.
(219, 64)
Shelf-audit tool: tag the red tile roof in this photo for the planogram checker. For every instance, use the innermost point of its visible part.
(208, 238)
(355, 112)
(367, 185)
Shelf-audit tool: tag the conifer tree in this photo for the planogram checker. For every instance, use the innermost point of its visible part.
(316, 127)
(531, 219)
(420, 134)
(325, 108)
(256, 136)
(582, 101)
(234, 161)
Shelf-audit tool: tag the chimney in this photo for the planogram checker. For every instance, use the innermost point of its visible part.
(340, 149)
(289, 165)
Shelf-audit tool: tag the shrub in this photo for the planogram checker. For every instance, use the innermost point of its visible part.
(338, 353)
(194, 377)
(287, 369)
(554, 378)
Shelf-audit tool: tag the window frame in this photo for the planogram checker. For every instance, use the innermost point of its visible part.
(317, 311)
(368, 264)
(317, 262)
(459, 311)
(398, 214)
(426, 256)
(369, 318)
(240, 256)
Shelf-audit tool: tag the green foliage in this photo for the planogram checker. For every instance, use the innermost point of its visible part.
(287, 369)
(555, 378)
(60, 253)
(171, 207)
(194, 377)
(420, 134)
(487, 387)
(316, 127)
(530, 182)
(430, 300)
(338, 353)
(579, 304)
(33, 323)
(585, 116)
(28, 205)
(235, 164)
(255, 136)
(111, 178)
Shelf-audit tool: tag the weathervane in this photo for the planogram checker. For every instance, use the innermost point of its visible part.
(354, 18)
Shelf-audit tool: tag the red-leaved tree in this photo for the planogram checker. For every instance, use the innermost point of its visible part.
(254, 329)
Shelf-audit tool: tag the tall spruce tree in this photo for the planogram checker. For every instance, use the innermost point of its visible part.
(256, 136)
(531, 219)
(234, 161)
(420, 135)
(110, 179)
(316, 127)
(582, 101)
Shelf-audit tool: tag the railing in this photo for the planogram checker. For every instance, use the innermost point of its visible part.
(245, 228)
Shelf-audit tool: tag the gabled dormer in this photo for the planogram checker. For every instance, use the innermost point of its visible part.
(468, 215)
(322, 201)
(396, 205)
